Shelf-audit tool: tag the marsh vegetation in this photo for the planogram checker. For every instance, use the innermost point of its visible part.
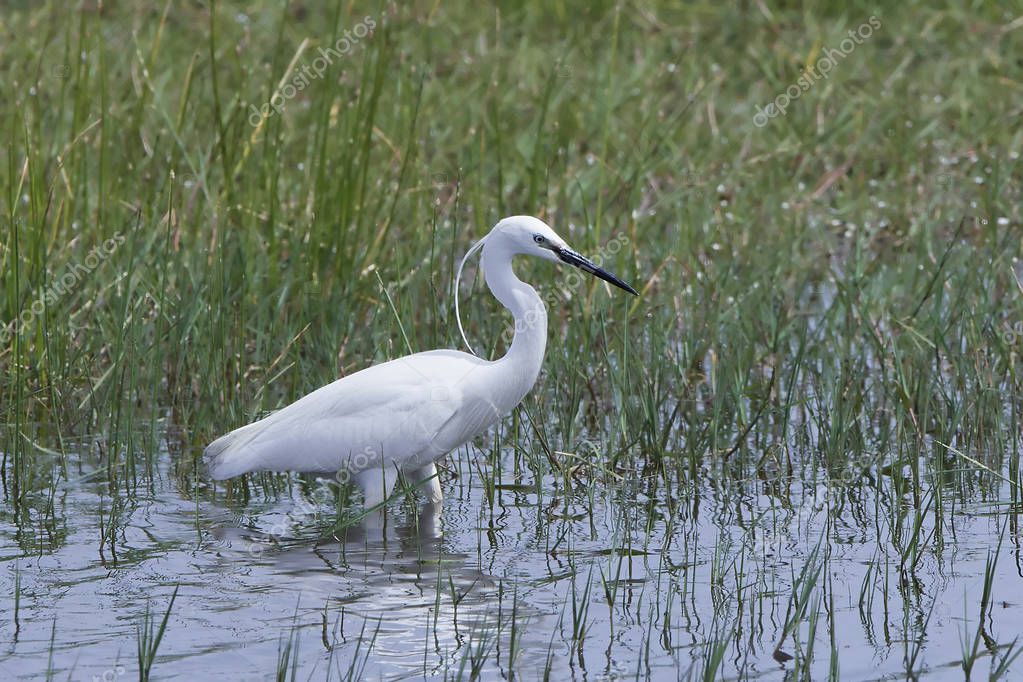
(794, 456)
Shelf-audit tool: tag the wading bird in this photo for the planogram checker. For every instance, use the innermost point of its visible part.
(403, 415)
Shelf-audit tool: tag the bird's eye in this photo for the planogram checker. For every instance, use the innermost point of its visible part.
(538, 239)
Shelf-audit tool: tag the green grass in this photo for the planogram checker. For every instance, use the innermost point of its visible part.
(829, 297)
(149, 637)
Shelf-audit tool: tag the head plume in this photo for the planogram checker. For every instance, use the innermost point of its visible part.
(458, 277)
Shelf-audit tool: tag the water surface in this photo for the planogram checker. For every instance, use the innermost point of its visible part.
(605, 576)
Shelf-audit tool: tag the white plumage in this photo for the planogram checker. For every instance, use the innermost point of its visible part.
(405, 414)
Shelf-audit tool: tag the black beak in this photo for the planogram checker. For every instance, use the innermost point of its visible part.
(572, 258)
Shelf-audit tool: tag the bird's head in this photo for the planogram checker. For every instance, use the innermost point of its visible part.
(531, 236)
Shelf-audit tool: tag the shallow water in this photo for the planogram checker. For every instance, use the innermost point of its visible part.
(605, 581)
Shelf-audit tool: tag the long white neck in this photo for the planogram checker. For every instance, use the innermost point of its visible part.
(521, 364)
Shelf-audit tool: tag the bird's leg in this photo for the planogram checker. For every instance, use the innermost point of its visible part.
(428, 522)
(376, 484)
(426, 477)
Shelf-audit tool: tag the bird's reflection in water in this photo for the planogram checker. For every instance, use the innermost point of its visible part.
(394, 575)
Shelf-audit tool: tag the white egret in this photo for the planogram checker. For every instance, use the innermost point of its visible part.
(405, 414)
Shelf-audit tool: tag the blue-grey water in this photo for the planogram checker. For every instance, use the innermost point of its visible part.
(603, 576)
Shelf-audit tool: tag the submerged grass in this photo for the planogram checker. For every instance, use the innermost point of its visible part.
(149, 636)
(832, 298)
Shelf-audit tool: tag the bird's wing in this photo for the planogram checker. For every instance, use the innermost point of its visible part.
(402, 411)
(476, 414)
